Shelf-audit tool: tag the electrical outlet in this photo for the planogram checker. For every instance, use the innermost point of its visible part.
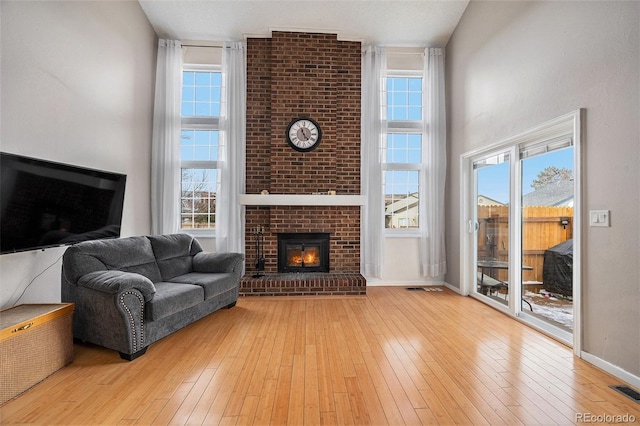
(599, 217)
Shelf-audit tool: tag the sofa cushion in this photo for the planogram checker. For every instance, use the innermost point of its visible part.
(171, 298)
(213, 284)
(174, 253)
(132, 254)
(217, 262)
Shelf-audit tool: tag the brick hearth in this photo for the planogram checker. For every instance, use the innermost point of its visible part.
(304, 284)
(314, 75)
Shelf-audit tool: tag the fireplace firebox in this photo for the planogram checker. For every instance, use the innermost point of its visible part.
(303, 252)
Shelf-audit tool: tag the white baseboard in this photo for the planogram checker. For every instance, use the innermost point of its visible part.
(453, 288)
(376, 282)
(611, 369)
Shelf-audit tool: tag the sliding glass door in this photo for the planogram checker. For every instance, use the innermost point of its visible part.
(521, 205)
(547, 231)
(492, 190)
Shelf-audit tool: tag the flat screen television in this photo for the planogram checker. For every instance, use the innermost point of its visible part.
(45, 204)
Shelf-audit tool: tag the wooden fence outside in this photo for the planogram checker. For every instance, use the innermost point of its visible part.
(542, 228)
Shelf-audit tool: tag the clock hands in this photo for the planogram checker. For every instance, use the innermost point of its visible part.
(307, 132)
(303, 134)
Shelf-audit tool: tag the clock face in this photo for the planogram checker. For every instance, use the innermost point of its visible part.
(303, 134)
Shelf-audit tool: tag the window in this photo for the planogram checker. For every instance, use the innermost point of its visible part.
(403, 152)
(404, 97)
(200, 143)
(201, 93)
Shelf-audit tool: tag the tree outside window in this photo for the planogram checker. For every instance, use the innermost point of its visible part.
(199, 188)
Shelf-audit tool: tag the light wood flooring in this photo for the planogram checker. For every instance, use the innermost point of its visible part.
(391, 357)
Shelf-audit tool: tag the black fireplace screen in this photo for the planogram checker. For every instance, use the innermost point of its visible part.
(303, 252)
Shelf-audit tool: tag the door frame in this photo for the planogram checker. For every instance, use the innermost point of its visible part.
(567, 124)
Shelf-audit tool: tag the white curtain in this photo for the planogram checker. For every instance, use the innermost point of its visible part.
(165, 150)
(433, 255)
(229, 212)
(374, 66)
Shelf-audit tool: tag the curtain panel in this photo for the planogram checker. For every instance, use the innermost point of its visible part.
(165, 150)
(229, 212)
(433, 255)
(374, 67)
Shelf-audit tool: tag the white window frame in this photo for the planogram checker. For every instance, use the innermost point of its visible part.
(201, 123)
(411, 127)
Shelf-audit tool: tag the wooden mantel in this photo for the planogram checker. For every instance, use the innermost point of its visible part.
(301, 200)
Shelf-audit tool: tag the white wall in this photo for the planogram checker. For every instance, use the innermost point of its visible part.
(77, 87)
(513, 65)
(401, 265)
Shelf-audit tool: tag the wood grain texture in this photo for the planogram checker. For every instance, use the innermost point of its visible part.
(391, 357)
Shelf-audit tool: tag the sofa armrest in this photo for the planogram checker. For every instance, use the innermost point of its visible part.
(218, 262)
(113, 281)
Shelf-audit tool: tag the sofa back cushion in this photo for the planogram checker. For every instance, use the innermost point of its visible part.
(132, 254)
(174, 254)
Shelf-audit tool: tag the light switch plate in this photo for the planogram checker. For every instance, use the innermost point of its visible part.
(599, 217)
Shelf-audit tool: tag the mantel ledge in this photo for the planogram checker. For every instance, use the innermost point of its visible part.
(301, 200)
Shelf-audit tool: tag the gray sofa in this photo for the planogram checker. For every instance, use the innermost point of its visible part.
(131, 292)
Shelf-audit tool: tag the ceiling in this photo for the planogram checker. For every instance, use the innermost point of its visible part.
(411, 23)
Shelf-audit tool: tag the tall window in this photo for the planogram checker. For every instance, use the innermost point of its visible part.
(403, 153)
(200, 146)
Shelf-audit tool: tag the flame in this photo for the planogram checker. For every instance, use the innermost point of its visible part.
(310, 258)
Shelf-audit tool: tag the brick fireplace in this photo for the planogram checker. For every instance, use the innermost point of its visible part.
(303, 75)
(303, 252)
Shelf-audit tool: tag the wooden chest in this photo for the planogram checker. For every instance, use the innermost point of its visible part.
(36, 340)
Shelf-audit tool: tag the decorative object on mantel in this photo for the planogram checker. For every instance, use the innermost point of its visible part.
(264, 192)
(259, 233)
(331, 192)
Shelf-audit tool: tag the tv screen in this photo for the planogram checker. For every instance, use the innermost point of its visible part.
(45, 204)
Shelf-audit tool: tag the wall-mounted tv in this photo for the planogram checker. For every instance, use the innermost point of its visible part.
(45, 204)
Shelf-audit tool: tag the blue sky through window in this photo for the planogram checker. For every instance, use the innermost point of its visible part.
(199, 145)
(404, 148)
(201, 93)
(404, 98)
(493, 181)
(401, 182)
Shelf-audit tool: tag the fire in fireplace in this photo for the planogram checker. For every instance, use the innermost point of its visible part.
(303, 252)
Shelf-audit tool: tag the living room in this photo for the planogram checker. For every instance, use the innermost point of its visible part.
(78, 88)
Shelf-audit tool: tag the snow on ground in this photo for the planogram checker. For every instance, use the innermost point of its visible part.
(553, 308)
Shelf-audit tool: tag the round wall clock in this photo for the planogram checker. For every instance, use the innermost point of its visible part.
(303, 134)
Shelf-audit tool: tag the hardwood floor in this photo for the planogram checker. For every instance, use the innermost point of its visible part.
(391, 357)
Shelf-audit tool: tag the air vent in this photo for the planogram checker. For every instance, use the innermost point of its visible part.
(415, 288)
(628, 392)
(424, 289)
